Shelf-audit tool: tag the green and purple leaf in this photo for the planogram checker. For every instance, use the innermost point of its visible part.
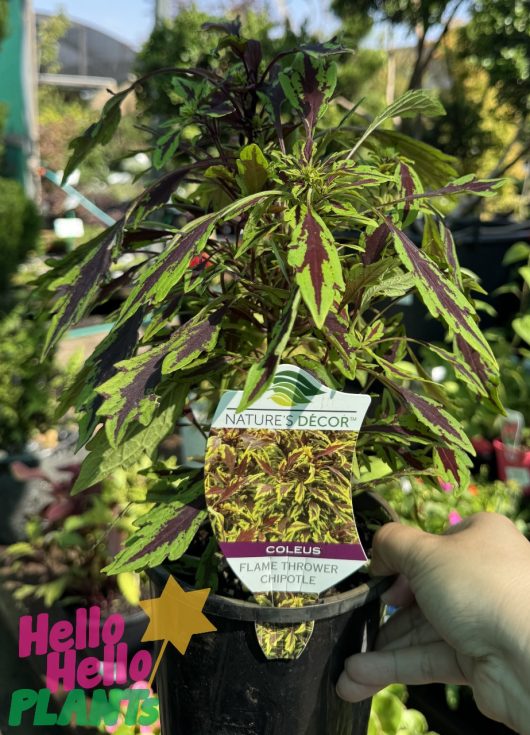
(261, 374)
(314, 256)
(118, 345)
(139, 441)
(164, 533)
(308, 86)
(432, 415)
(131, 393)
(99, 133)
(441, 297)
(484, 371)
(375, 243)
(78, 279)
(169, 267)
(453, 466)
(337, 332)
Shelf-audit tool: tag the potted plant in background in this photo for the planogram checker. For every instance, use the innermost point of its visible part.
(290, 246)
(58, 568)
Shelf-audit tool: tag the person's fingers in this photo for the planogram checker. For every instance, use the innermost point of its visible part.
(396, 549)
(417, 636)
(366, 673)
(399, 594)
(401, 623)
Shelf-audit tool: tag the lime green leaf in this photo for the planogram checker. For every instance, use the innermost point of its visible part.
(253, 169)
(521, 327)
(525, 273)
(129, 585)
(516, 252)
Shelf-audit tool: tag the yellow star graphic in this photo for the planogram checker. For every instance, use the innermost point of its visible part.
(175, 616)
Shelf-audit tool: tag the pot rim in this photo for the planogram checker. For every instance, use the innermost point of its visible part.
(328, 607)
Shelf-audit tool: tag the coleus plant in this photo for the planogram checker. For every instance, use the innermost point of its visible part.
(290, 246)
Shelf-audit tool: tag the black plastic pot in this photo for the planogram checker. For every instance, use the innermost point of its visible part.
(225, 686)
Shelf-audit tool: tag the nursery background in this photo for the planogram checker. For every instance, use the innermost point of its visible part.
(57, 63)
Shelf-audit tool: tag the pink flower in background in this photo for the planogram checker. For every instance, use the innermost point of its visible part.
(446, 486)
(113, 728)
(454, 517)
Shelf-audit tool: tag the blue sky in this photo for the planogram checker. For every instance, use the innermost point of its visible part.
(131, 20)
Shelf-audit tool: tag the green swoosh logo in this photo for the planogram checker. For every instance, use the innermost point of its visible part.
(290, 389)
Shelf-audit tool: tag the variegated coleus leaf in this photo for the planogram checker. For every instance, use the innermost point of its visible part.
(432, 166)
(453, 466)
(131, 394)
(169, 267)
(374, 244)
(272, 97)
(441, 297)
(432, 415)
(309, 85)
(98, 133)
(140, 441)
(464, 185)
(164, 532)
(438, 243)
(485, 372)
(118, 345)
(410, 185)
(158, 194)
(77, 280)
(314, 256)
(338, 334)
(463, 368)
(261, 374)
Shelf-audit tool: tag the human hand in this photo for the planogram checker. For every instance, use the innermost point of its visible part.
(464, 617)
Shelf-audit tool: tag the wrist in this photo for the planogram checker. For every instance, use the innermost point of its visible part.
(514, 650)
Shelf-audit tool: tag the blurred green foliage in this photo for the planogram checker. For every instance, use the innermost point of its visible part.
(3, 18)
(434, 509)
(19, 229)
(26, 385)
(498, 39)
(181, 42)
(74, 538)
(390, 715)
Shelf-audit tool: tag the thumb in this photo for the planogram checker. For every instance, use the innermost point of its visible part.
(398, 549)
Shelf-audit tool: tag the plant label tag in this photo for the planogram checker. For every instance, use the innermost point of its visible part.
(512, 429)
(278, 484)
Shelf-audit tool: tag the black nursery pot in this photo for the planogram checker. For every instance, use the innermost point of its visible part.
(224, 685)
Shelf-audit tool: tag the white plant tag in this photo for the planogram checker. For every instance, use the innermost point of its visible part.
(278, 484)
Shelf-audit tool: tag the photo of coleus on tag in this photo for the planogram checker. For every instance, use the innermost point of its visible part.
(278, 490)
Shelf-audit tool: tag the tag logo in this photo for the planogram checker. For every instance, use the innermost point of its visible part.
(292, 389)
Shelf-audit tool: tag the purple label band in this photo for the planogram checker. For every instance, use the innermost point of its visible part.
(238, 549)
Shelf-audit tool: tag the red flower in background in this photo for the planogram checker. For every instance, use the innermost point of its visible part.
(200, 261)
